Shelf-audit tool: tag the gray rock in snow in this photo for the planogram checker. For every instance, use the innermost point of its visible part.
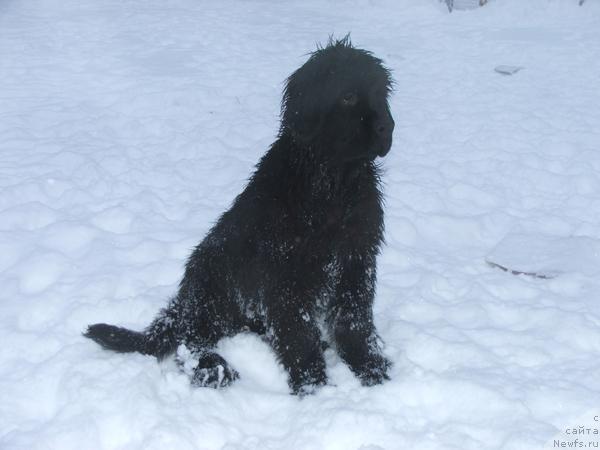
(507, 70)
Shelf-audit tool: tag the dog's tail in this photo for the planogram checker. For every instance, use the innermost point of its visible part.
(117, 339)
(158, 340)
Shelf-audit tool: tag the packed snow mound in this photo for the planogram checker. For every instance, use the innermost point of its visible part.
(128, 127)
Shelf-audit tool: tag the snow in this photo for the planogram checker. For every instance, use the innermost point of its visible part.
(547, 256)
(127, 127)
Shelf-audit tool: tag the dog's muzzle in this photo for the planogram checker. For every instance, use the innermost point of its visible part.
(384, 129)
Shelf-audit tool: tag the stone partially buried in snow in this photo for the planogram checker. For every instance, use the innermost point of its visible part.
(507, 70)
(464, 4)
(544, 256)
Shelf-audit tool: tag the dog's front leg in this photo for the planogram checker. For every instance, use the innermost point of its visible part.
(351, 321)
(296, 340)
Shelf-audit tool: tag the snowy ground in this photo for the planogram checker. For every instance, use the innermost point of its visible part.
(127, 127)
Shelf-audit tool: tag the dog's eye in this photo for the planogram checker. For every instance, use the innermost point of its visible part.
(349, 99)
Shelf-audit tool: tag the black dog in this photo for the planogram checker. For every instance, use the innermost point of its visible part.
(295, 256)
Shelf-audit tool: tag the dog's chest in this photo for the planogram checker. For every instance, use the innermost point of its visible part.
(336, 222)
(338, 204)
(323, 301)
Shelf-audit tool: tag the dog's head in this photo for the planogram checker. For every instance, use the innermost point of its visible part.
(338, 100)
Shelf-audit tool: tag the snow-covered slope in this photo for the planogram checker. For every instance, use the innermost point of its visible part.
(127, 127)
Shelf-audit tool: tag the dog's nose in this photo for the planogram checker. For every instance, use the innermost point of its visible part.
(384, 129)
(384, 126)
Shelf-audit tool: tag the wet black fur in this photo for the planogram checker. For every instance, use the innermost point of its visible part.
(294, 258)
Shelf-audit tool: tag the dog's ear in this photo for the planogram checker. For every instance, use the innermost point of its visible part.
(302, 105)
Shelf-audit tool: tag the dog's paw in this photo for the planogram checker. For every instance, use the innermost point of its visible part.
(374, 370)
(307, 383)
(213, 371)
(307, 389)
